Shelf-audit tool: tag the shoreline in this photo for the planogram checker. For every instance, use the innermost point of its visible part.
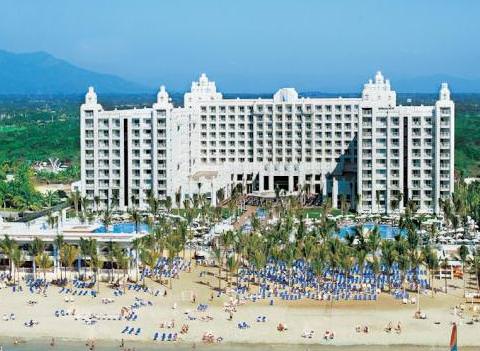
(231, 345)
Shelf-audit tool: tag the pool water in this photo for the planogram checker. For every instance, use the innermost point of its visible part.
(123, 228)
(261, 213)
(386, 230)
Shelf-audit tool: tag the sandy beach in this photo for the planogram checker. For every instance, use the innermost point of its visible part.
(299, 316)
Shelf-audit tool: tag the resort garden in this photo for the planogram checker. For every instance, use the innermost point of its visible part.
(282, 252)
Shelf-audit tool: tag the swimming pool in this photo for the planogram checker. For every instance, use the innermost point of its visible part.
(123, 228)
(386, 230)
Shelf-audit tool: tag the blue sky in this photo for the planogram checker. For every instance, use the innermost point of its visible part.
(251, 45)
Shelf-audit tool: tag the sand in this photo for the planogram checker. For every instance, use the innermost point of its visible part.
(342, 318)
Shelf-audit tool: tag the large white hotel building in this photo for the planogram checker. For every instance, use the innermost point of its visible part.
(366, 150)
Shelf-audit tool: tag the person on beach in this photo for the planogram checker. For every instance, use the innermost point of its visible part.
(398, 328)
(122, 344)
(52, 342)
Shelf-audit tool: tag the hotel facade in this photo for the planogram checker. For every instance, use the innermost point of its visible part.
(364, 151)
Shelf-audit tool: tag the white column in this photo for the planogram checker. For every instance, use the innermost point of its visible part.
(334, 192)
(290, 183)
(324, 185)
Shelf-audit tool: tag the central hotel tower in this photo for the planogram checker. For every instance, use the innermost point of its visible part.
(368, 152)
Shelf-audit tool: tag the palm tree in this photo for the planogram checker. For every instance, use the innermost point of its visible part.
(374, 263)
(135, 217)
(475, 265)
(84, 252)
(50, 198)
(334, 247)
(149, 258)
(168, 203)
(137, 245)
(431, 260)
(445, 266)
(112, 248)
(403, 260)
(96, 264)
(396, 201)
(232, 265)
(344, 204)
(463, 255)
(154, 205)
(74, 200)
(36, 248)
(220, 197)
(92, 248)
(178, 199)
(318, 267)
(7, 245)
(58, 243)
(217, 252)
(68, 255)
(432, 231)
(44, 262)
(389, 256)
(173, 244)
(122, 261)
(18, 260)
(107, 218)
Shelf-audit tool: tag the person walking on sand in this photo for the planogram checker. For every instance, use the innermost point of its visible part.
(52, 342)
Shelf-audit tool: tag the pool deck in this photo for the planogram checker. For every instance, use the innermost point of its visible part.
(71, 230)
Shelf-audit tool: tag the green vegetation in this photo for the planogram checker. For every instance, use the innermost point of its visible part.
(41, 140)
(467, 144)
(315, 213)
(19, 193)
(64, 177)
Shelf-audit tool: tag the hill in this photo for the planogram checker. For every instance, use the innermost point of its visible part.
(42, 73)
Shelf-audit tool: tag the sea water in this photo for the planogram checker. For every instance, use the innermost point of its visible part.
(61, 345)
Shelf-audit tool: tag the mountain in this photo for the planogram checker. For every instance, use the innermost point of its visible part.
(431, 84)
(42, 73)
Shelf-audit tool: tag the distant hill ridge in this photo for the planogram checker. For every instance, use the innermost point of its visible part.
(42, 73)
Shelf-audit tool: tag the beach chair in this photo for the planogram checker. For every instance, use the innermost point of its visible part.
(139, 330)
(155, 337)
(125, 330)
(163, 336)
